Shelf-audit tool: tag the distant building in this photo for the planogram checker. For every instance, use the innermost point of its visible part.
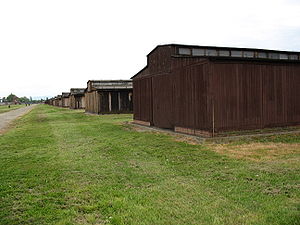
(58, 101)
(16, 100)
(109, 96)
(77, 98)
(65, 100)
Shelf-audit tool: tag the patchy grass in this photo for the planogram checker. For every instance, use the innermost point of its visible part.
(60, 166)
(259, 151)
(259, 131)
(5, 108)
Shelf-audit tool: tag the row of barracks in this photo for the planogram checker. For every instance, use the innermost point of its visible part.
(99, 97)
(201, 90)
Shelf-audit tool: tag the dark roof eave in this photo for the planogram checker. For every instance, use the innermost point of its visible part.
(139, 72)
(111, 88)
(222, 48)
(110, 80)
(77, 88)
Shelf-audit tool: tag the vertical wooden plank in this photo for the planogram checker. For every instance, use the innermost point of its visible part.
(109, 101)
(119, 101)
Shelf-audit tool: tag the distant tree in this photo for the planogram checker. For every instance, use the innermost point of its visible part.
(11, 98)
(24, 99)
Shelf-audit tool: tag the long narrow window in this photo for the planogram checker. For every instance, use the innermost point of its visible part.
(283, 56)
(262, 55)
(211, 52)
(293, 57)
(224, 53)
(184, 51)
(273, 56)
(198, 52)
(248, 54)
(236, 53)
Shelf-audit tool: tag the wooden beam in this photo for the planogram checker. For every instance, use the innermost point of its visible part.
(109, 101)
(119, 100)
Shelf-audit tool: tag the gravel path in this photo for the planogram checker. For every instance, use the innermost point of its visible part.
(6, 118)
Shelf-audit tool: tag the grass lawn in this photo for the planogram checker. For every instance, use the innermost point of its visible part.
(4, 108)
(60, 166)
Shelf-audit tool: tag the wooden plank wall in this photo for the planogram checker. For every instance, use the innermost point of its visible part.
(142, 99)
(92, 102)
(72, 102)
(255, 95)
(162, 101)
(224, 95)
(174, 99)
(83, 102)
(65, 101)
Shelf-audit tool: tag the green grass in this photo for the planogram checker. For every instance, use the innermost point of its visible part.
(59, 166)
(4, 108)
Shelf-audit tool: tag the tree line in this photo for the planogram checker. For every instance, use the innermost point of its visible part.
(18, 100)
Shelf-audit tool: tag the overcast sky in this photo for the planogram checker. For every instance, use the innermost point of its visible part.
(47, 47)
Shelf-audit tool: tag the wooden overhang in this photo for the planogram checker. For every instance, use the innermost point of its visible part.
(65, 94)
(109, 85)
(77, 91)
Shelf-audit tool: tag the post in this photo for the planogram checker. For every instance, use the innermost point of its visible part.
(213, 117)
(119, 100)
(109, 101)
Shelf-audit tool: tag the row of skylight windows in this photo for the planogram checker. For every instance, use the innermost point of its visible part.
(237, 53)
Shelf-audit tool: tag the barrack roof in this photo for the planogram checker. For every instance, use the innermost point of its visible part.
(111, 84)
(220, 47)
(74, 91)
(65, 94)
(229, 53)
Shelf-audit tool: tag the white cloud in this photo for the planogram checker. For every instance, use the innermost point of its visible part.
(47, 47)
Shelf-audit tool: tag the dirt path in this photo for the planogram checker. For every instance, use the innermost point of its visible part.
(6, 118)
